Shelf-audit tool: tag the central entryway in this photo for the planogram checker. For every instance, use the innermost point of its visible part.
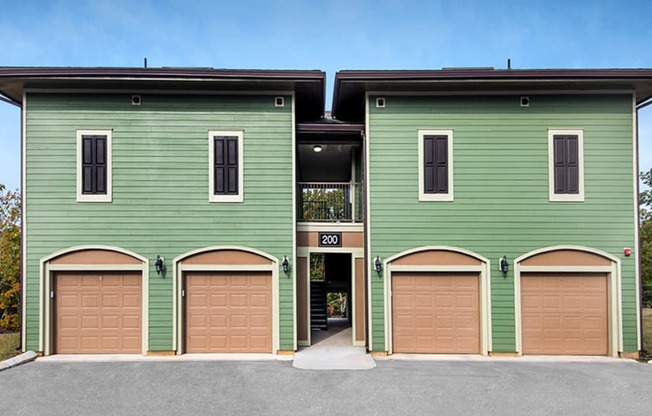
(330, 294)
(335, 313)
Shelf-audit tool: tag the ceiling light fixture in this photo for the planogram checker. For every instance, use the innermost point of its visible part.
(316, 148)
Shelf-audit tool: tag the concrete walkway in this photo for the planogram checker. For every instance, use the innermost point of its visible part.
(334, 353)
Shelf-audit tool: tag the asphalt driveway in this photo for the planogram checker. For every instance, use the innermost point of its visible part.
(503, 388)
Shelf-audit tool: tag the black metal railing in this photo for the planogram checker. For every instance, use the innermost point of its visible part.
(330, 202)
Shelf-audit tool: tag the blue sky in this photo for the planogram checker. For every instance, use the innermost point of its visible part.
(326, 35)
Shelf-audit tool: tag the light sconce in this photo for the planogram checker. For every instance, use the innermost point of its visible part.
(286, 265)
(160, 264)
(379, 265)
(504, 265)
(317, 148)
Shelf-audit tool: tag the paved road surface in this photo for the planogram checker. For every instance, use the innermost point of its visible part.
(275, 388)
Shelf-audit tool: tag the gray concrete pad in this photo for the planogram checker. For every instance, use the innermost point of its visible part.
(394, 387)
(18, 360)
(334, 353)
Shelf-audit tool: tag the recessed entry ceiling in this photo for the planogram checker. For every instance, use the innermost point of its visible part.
(332, 164)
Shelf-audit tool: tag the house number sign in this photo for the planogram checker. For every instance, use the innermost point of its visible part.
(330, 239)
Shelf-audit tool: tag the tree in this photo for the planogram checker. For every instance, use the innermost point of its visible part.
(10, 210)
(645, 197)
(645, 206)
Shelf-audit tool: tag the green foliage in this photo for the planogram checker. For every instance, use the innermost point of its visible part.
(324, 204)
(645, 201)
(317, 271)
(645, 196)
(336, 304)
(9, 259)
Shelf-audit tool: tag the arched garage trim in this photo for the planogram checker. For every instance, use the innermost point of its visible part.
(482, 266)
(614, 300)
(179, 267)
(48, 266)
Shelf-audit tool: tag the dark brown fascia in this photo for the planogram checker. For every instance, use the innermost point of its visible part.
(106, 72)
(326, 128)
(489, 76)
(20, 77)
(489, 73)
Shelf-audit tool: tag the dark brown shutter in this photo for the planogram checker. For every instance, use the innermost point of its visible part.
(100, 165)
(94, 165)
(435, 163)
(566, 164)
(226, 165)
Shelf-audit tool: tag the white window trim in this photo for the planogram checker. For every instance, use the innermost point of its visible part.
(579, 197)
(211, 161)
(108, 197)
(435, 197)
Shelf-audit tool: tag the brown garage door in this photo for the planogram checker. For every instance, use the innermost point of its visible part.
(98, 313)
(436, 313)
(228, 312)
(564, 313)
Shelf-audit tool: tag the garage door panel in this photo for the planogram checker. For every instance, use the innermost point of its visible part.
(96, 313)
(240, 310)
(436, 313)
(564, 313)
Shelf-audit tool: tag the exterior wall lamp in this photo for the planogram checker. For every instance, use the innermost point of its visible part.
(286, 265)
(504, 265)
(379, 265)
(160, 264)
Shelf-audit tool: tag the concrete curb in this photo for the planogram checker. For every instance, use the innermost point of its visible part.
(18, 360)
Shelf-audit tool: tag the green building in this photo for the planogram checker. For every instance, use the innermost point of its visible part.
(458, 211)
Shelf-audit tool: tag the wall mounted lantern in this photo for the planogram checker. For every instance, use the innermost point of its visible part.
(160, 264)
(504, 265)
(379, 265)
(286, 265)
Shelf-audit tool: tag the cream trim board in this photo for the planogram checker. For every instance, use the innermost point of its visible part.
(367, 202)
(81, 197)
(637, 230)
(178, 270)
(555, 197)
(23, 237)
(423, 196)
(212, 197)
(46, 276)
(293, 272)
(614, 300)
(484, 272)
(304, 251)
(321, 226)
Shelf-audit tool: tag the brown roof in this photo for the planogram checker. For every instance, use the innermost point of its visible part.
(351, 85)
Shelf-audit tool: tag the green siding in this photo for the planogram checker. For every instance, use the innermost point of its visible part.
(501, 206)
(160, 187)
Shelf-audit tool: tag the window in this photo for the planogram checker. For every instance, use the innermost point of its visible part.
(566, 165)
(435, 165)
(94, 165)
(225, 166)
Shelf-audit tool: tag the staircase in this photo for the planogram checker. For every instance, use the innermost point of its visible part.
(318, 313)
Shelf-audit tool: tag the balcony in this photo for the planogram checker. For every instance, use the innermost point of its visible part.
(331, 202)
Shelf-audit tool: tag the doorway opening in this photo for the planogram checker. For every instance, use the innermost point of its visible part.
(331, 297)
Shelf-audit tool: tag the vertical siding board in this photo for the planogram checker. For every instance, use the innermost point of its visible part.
(501, 204)
(160, 187)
